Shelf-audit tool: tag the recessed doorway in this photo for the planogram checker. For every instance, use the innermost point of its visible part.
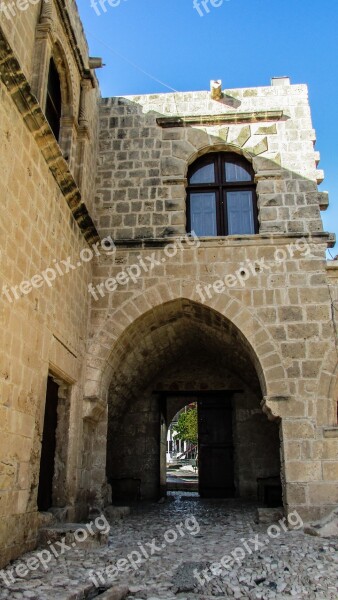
(48, 448)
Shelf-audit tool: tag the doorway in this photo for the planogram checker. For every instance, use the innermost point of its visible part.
(215, 447)
(214, 454)
(48, 448)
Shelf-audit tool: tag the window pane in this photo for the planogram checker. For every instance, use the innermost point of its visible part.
(234, 172)
(205, 174)
(203, 214)
(240, 212)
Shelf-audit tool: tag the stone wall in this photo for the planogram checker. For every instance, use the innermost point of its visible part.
(285, 317)
(282, 311)
(274, 324)
(48, 30)
(43, 325)
(146, 147)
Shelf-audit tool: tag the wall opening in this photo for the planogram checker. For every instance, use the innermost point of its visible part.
(205, 461)
(182, 353)
(54, 101)
(181, 464)
(215, 446)
(48, 448)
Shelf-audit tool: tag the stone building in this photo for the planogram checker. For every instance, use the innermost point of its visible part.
(114, 315)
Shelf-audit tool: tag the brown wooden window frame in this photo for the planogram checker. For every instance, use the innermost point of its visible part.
(221, 187)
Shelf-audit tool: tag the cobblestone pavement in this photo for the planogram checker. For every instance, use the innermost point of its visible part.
(181, 538)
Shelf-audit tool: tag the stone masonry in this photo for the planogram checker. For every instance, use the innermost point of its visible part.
(117, 328)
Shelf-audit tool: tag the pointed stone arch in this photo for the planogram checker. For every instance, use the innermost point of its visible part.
(265, 355)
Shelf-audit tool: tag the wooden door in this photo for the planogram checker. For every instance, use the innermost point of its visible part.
(216, 452)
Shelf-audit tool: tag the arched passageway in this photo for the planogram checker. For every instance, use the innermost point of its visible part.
(182, 351)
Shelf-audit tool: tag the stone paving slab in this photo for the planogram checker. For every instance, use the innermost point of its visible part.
(290, 565)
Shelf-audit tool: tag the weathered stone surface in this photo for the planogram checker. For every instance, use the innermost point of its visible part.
(269, 515)
(115, 593)
(326, 527)
(73, 533)
(225, 555)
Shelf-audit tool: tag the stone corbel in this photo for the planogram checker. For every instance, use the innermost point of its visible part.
(93, 409)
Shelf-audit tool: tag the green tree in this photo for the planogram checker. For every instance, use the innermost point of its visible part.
(186, 428)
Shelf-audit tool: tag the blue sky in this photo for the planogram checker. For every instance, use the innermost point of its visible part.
(242, 42)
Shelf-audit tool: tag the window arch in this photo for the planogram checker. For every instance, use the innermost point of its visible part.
(221, 196)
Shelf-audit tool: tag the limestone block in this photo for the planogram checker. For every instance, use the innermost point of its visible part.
(323, 493)
(182, 149)
(296, 493)
(303, 471)
(298, 429)
(197, 137)
(259, 148)
(330, 470)
(326, 527)
(239, 137)
(173, 166)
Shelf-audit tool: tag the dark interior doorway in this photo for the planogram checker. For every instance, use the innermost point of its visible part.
(215, 464)
(216, 448)
(48, 449)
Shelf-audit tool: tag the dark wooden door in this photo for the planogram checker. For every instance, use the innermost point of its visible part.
(47, 462)
(216, 453)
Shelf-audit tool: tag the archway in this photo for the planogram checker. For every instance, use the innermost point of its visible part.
(181, 348)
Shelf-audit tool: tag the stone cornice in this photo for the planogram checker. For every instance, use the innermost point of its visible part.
(259, 239)
(26, 103)
(226, 118)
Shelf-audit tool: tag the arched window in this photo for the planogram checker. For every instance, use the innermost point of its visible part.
(221, 196)
(53, 101)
